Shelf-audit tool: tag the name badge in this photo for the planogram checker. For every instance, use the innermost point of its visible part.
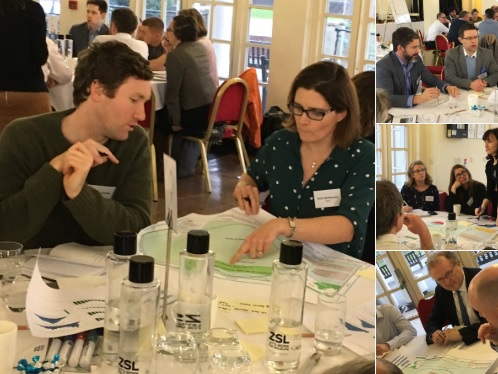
(429, 198)
(471, 201)
(327, 198)
(105, 191)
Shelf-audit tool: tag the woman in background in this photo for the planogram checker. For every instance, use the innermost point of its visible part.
(464, 190)
(490, 138)
(418, 192)
(23, 91)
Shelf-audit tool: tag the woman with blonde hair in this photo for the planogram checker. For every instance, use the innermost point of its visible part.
(464, 190)
(418, 192)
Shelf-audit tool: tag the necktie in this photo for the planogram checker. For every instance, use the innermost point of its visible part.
(463, 310)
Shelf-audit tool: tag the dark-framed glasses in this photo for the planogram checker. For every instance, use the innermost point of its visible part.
(461, 174)
(314, 114)
(471, 37)
(448, 275)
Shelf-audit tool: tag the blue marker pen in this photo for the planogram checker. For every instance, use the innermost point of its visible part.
(88, 349)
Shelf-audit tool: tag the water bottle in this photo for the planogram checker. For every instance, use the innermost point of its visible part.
(288, 287)
(138, 316)
(117, 264)
(195, 285)
(451, 231)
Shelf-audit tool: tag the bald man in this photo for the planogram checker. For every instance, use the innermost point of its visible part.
(483, 296)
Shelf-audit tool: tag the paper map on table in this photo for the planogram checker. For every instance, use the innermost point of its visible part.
(52, 313)
(327, 268)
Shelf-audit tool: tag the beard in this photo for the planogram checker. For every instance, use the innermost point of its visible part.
(409, 58)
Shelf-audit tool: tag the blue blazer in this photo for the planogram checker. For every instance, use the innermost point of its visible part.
(81, 36)
(390, 76)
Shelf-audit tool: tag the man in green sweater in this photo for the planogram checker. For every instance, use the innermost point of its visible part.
(82, 174)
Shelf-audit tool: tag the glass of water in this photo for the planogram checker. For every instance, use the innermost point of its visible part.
(330, 323)
(231, 360)
(178, 353)
(452, 102)
(13, 285)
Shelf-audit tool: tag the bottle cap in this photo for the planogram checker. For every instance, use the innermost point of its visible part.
(141, 269)
(125, 243)
(198, 242)
(452, 216)
(291, 252)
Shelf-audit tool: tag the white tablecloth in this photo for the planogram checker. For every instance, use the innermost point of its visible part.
(444, 113)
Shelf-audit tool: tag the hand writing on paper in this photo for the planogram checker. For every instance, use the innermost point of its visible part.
(489, 332)
(438, 337)
(451, 336)
(453, 90)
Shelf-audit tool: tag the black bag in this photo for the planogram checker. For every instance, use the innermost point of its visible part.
(272, 121)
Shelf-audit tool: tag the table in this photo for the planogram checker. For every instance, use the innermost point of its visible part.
(61, 96)
(459, 358)
(444, 114)
(470, 236)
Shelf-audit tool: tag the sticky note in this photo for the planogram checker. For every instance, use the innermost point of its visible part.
(368, 273)
(255, 351)
(465, 223)
(253, 325)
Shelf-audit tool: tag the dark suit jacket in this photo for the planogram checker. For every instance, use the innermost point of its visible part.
(390, 76)
(81, 38)
(455, 67)
(444, 310)
(453, 33)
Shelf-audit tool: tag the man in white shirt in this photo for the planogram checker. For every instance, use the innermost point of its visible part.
(56, 70)
(437, 27)
(390, 219)
(123, 24)
(393, 330)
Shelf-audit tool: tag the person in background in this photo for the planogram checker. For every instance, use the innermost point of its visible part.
(355, 366)
(392, 329)
(401, 72)
(318, 170)
(84, 33)
(386, 367)
(204, 40)
(474, 17)
(123, 24)
(489, 25)
(189, 92)
(452, 13)
(382, 106)
(439, 26)
(82, 174)
(490, 138)
(55, 70)
(24, 51)
(483, 297)
(151, 32)
(464, 190)
(454, 33)
(390, 219)
(451, 302)
(418, 192)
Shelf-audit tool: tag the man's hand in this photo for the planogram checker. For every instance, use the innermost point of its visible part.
(478, 85)
(415, 224)
(438, 337)
(487, 331)
(453, 90)
(452, 335)
(407, 208)
(382, 348)
(427, 95)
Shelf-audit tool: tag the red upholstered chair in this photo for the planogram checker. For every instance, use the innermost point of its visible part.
(442, 45)
(437, 71)
(229, 105)
(424, 309)
(422, 44)
(442, 198)
(148, 125)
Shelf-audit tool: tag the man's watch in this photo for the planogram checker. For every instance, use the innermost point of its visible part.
(293, 226)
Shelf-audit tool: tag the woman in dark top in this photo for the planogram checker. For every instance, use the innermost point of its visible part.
(464, 190)
(24, 51)
(418, 191)
(490, 138)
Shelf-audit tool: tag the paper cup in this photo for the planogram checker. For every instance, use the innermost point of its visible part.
(471, 101)
(457, 209)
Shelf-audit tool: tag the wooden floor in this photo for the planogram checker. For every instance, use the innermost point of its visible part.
(224, 169)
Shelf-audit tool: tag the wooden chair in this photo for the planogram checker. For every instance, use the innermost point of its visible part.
(229, 105)
(442, 45)
(148, 125)
(423, 47)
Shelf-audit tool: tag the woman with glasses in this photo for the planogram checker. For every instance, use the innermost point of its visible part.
(418, 191)
(464, 190)
(490, 138)
(318, 171)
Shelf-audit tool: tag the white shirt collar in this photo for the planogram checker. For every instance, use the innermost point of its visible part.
(466, 54)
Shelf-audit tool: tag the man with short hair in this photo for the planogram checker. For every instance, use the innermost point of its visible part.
(451, 302)
(401, 72)
(469, 66)
(483, 296)
(84, 33)
(151, 32)
(390, 219)
(452, 13)
(463, 19)
(82, 174)
(383, 366)
(123, 24)
(392, 329)
(489, 25)
(437, 27)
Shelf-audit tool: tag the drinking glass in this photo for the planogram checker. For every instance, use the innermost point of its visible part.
(177, 353)
(452, 102)
(231, 360)
(213, 341)
(13, 285)
(330, 323)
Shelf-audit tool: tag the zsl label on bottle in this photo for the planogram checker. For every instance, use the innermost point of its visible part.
(282, 343)
(130, 367)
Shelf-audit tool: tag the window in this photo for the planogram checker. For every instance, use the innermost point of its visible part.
(51, 6)
(391, 155)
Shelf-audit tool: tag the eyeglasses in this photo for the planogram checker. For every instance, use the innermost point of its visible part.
(419, 171)
(461, 174)
(390, 118)
(471, 37)
(314, 114)
(448, 275)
